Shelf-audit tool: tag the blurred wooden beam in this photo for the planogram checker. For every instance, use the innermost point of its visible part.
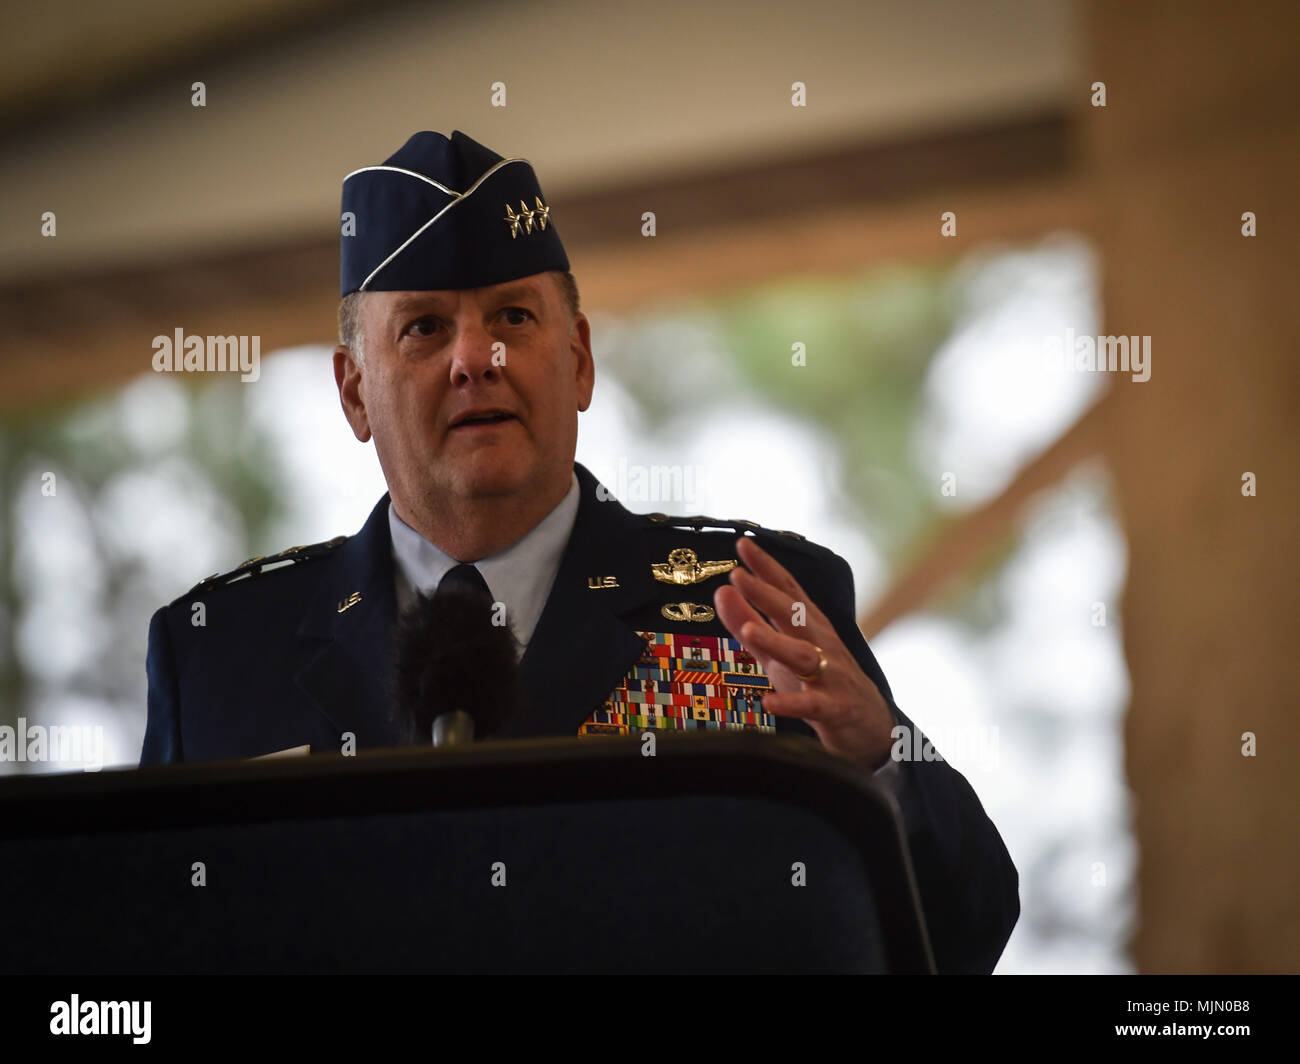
(844, 210)
(967, 540)
(829, 241)
(69, 59)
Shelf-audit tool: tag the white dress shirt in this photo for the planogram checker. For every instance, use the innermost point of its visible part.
(520, 576)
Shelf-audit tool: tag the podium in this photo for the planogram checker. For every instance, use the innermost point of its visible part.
(722, 852)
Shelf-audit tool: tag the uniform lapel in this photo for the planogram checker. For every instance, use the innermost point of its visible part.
(347, 631)
(581, 647)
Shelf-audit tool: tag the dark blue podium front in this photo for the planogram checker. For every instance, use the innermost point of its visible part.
(721, 853)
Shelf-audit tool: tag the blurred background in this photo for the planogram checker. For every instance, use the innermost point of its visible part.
(1081, 584)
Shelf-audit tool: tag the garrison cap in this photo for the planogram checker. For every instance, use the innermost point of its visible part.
(445, 214)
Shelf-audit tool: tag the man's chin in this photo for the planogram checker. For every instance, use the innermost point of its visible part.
(490, 477)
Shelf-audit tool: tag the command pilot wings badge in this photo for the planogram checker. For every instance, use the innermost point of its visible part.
(684, 567)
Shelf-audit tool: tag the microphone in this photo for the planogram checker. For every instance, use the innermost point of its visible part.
(453, 727)
(456, 678)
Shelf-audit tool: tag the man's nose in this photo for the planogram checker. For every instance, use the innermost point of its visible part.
(473, 355)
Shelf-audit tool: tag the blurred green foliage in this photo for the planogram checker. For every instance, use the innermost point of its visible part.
(89, 448)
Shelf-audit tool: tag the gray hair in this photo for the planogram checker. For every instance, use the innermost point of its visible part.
(350, 332)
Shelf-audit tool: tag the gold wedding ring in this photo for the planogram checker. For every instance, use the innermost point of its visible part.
(814, 677)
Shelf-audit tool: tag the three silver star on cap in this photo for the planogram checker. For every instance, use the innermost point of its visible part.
(541, 215)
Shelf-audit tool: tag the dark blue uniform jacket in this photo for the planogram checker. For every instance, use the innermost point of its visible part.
(282, 659)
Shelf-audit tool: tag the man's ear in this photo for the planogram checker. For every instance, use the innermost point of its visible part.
(347, 375)
(580, 345)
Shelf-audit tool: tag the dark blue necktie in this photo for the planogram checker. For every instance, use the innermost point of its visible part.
(466, 578)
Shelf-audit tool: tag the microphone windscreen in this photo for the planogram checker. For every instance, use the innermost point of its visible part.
(448, 656)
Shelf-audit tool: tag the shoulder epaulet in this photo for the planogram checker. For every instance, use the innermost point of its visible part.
(698, 523)
(260, 564)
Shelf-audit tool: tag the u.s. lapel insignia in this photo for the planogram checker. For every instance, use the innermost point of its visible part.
(350, 601)
(684, 567)
(596, 583)
(687, 611)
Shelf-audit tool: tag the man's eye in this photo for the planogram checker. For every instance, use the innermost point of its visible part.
(422, 327)
(517, 315)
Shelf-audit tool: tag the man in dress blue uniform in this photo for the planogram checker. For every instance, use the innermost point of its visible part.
(466, 359)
